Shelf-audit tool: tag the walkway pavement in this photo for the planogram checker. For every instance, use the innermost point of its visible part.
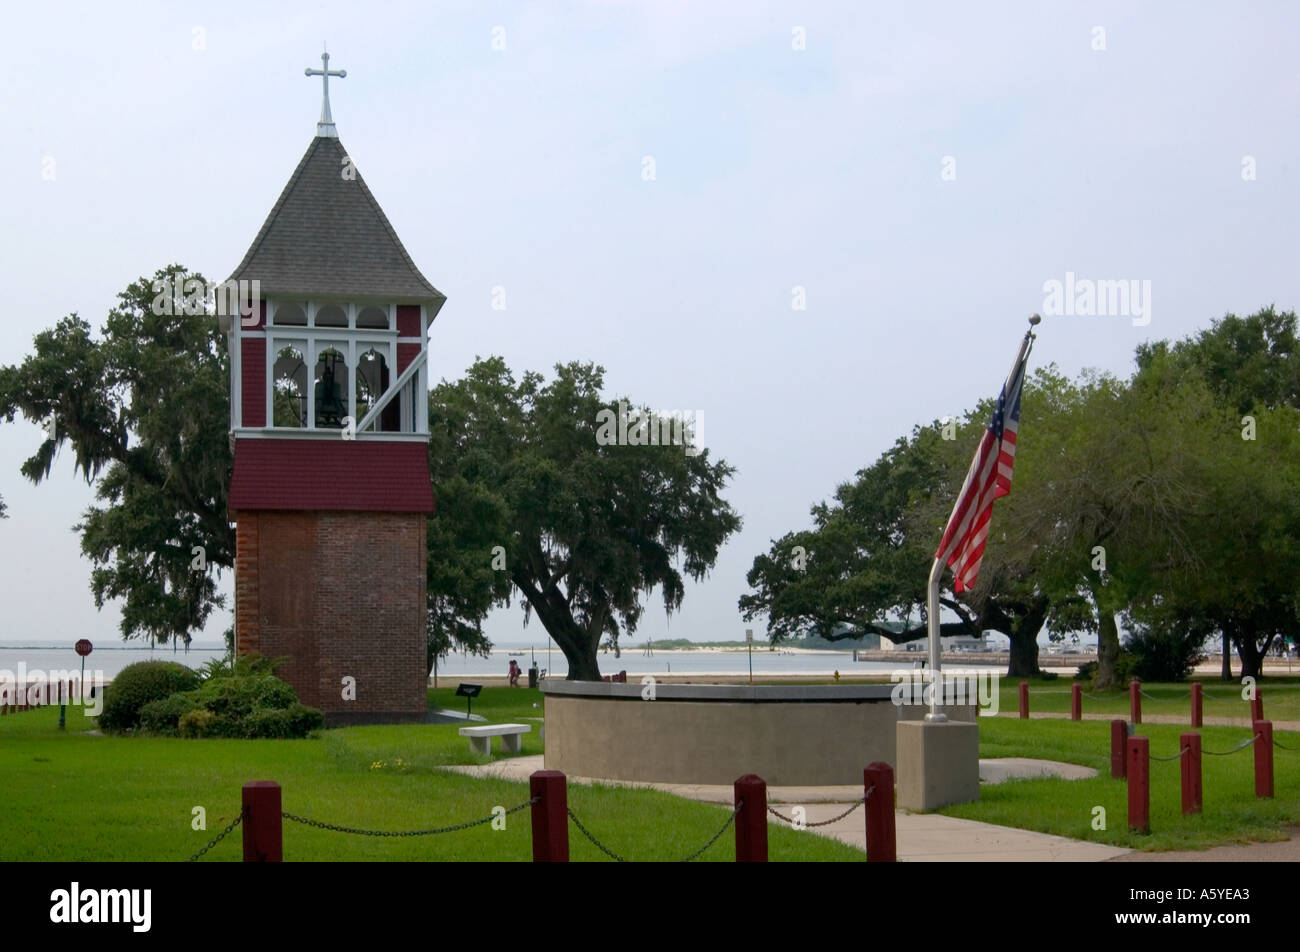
(922, 837)
(1278, 851)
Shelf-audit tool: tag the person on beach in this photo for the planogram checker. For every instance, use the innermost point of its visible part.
(514, 674)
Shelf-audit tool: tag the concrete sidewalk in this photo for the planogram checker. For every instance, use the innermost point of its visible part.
(922, 837)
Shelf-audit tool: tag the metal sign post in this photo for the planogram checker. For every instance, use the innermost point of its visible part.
(749, 640)
(83, 647)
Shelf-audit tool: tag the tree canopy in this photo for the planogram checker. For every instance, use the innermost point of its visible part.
(580, 527)
(1150, 498)
(145, 408)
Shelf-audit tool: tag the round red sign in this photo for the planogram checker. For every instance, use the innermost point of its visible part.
(84, 647)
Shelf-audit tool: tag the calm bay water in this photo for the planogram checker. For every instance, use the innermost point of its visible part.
(111, 659)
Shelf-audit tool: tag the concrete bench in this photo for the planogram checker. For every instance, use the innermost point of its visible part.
(480, 738)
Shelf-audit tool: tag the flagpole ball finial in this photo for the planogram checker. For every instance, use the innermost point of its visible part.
(1035, 319)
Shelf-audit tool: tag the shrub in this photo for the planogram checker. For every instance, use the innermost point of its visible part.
(239, 697)
(163, 717)
(1123, 670)
(1164, 654)
(138, 684)
(304, 719)
(197, 723)
(243, 665)
(234, 705)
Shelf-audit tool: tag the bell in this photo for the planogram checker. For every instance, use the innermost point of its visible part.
(330, 407)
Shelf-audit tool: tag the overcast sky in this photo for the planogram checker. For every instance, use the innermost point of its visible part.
(919, 170)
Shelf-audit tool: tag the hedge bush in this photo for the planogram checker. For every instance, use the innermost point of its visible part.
(1164, 654)
(137, 685)
(162, 717)
(234, 705)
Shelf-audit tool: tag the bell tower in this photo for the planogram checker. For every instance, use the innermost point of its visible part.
(329, 421)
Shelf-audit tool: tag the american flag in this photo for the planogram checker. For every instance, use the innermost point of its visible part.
(989, 478)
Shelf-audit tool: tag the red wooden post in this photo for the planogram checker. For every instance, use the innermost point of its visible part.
(1197, 703)
(1118, 737)
(1263, 758)
(1135, 701)
(1257, 705)
(550, 816)
(1139, 783)
(751, 821)
(1076, 702)
(1191, 767)
(1024, 700)
(878, 788)
(263, 824)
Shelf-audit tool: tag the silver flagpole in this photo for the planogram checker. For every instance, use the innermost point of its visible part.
(936, 715)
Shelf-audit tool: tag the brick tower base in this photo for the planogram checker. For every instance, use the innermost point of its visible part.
(341, 595)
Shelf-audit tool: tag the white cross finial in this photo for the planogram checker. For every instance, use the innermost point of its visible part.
(326, 125)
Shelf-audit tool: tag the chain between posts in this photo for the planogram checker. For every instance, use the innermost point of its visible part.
(444, 829)
(220, 836)
(1283, 746)
(1242, 746)
(619, 859)
(1175, 756)
(1159, 700)
(731, 819)
(790, 820)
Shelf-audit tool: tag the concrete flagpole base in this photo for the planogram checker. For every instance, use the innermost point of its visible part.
(938, 763)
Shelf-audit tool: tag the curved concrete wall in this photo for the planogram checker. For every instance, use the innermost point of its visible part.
(712, 734)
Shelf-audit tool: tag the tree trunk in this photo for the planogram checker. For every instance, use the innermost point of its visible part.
(1024, 653)
(1107, 643)
(1024, 639)
(1107, 652)
(1226, 673)
(582, 664)
(1021, 621)
(571, 638)
(1252, 654)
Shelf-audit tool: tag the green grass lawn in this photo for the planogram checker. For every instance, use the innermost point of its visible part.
(1232, 813)
(498, 705)
(401, 748)
(76, 796)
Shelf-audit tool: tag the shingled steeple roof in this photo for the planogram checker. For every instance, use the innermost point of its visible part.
(328, 237)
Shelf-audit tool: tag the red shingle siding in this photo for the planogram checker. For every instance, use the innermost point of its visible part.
(252, 380)
(341, 594)
(405, 354)
(331, 474)
(408, 320)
